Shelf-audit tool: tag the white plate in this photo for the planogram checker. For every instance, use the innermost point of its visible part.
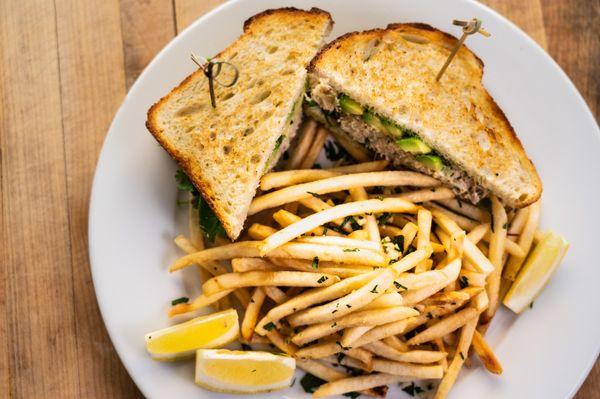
(546, 352)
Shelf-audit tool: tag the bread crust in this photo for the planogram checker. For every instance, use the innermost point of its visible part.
(345, 43)
(152, 124)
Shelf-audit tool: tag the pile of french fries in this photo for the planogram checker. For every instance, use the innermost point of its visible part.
(383, 272)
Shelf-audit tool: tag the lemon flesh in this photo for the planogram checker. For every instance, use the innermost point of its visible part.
(243, 372)
(536, 272)
(182, 340)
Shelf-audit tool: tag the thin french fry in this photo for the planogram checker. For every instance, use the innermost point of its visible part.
(462, 351)
(411, 260)
(463, 222)
(251, 314)
(518, 222)
(322, 349)
(277, 295)
(263, 278)
(407, 370)
(496, 253)
(442, 348)
(259, 231)
(478, 232)
(312, 297)
(428, 194)
(250, 249)
(509, 246)
(396, 343)
(351, 334)
(409, 232)
(285, 218)
(291, 177)
(306, 136)
(340, 211)
(282, 343)
(370, 317)
(384, 331)
(380, 348)
(307, 266)
(346, 304)
(239, 265)
(424, 220)
(466, 209)
(485, 354)
(201, 301)
(339, 183)
(342, 242)
(354, 384)
(444, 326)
(310, 157)
(525, 240)
(371, 225)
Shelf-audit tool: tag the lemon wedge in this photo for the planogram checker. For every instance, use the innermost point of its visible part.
(222, 370)
(182, 340)
(539, 267)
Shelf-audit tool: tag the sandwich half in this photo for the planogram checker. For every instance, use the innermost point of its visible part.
(379, 88)
(225, 150)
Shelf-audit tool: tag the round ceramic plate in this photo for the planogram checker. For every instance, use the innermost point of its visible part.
(546, 352)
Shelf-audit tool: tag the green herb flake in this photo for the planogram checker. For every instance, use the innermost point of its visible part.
(399, 286)
(269, 326)
(463, 281)
(310, 383)
(384, 218)
(461, 355)
(398, 242)
(322, 279)
(348, 305)
(412, 389)
(350, 249)
(345, 348)
(374, 290)
(314, 195)
(183, 299)
(429, 315)
(315, 262)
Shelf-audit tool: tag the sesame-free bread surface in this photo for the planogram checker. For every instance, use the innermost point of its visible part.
(392, 71)
(225, 150)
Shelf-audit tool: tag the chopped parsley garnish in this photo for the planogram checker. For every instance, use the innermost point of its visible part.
(411, 248)
(399, 286)
(531, 305)
(429, 315)
(310, 383)
(334, 324)
(462, 356)
(384, 218)
(505, 226)
(463, 281)
(412, 389)
(398, 242)
(350, 249)
(333, 152)
(392, 261)
(353, 223)
(269, 326)
(315, 194)
(315, 262)
(345, 348)
(322, 279)
(374, 290)
(340, 356)
(183, 299)
(349, 306)
(209, 223)
(352, 395)
(380, 197)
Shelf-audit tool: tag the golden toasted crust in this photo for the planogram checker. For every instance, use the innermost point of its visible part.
(456, 115)
(225, 150)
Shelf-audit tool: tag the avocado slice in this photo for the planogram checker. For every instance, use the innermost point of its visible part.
(431, 161)
(350, 106)
(373, 120)
(392, 128)
(413, 145)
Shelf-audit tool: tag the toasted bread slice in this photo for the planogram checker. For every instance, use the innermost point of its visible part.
(225, 150)
(391, 73)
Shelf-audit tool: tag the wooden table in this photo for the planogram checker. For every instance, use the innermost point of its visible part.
(65, 68)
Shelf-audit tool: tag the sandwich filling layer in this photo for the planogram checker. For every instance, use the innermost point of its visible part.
(400, 145)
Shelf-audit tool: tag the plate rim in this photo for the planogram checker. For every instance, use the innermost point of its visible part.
(534, 46)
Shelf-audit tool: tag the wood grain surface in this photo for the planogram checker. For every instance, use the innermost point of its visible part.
(65, 67)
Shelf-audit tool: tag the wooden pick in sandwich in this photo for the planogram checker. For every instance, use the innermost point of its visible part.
(469, 28)
(211, 70)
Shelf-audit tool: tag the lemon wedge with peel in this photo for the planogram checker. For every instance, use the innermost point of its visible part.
(182, 340)
(539, 267)
(222, 370)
